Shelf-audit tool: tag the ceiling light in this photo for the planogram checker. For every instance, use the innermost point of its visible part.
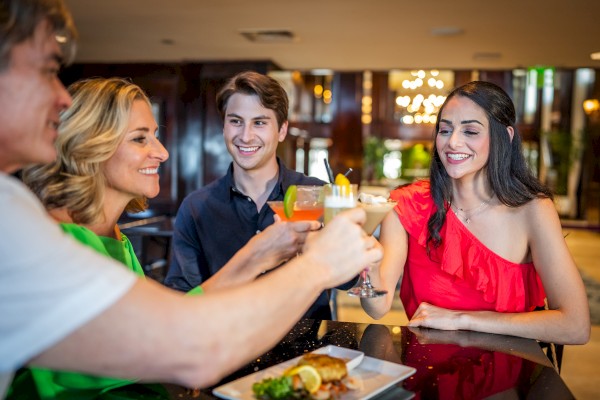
(269, 35)
(595, 56)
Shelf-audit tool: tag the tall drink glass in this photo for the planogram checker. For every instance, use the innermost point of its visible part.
(339, 198)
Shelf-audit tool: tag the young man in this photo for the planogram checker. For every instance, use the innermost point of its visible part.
(216, 221)
(64, 306)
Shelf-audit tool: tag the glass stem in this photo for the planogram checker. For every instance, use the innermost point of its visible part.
(366, 278)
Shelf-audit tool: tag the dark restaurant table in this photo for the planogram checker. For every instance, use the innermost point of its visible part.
(449, 364)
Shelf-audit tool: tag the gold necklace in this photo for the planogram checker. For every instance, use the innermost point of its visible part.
(468, 214)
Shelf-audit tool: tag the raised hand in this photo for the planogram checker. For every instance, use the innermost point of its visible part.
(342, 248)
(280, 242)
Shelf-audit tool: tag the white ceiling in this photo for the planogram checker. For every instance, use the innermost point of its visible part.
(344, 34)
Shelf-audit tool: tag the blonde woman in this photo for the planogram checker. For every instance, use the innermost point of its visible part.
(108, 162)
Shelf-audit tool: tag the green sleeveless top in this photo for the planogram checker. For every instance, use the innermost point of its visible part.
(52, 384)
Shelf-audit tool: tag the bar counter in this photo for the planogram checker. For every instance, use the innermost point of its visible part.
(449, 364)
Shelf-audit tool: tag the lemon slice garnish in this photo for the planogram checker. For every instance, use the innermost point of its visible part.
(308, 375)
(341, 180)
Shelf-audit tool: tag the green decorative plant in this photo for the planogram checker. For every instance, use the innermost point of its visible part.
(565, 149)
(374, 152)
(415, 161)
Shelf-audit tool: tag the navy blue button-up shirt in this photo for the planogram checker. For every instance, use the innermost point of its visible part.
(214, 222)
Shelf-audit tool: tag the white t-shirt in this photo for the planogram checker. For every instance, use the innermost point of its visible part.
(50, 285)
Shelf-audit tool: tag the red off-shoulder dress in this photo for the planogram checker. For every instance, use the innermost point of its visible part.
(460, 274)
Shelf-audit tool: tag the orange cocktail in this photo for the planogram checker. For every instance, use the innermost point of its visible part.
(308, 204)
(301, 212)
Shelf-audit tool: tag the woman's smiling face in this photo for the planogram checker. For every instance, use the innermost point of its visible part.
(132, 171)
(463, 137)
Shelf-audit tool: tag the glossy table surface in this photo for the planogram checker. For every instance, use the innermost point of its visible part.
(450, 365)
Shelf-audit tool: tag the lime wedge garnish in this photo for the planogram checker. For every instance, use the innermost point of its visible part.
(289, 199)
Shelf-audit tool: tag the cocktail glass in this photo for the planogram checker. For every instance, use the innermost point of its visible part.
(308, 205)
(339, 198)
(375, 214)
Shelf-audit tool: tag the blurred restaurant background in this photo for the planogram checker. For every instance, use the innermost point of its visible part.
(365, 81)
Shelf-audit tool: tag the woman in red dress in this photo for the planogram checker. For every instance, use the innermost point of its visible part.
(479, 246)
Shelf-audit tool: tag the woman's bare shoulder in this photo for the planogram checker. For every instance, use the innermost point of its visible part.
(538, 207)
(540, 213)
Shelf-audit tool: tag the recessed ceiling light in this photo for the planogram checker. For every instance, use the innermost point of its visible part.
(446, 31)
(269, 35)
(595, 56)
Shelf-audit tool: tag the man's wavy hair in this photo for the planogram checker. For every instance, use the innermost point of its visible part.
(507, 172)
(89, 134)
(20, 18)
(271, 94)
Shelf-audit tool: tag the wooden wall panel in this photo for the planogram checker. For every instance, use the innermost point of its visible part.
(346, 126)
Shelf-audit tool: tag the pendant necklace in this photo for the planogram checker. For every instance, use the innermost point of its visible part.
(468, 214)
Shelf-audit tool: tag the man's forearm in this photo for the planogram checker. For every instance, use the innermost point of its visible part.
(155, 334)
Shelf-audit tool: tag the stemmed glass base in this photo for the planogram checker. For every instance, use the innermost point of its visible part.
(363, 287)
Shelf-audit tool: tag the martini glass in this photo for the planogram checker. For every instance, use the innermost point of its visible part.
(375, 214)
(307, 207)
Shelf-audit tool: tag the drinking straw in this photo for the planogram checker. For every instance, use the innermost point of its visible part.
(329, 171)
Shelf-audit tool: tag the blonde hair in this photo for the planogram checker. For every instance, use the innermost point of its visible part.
(89, 134)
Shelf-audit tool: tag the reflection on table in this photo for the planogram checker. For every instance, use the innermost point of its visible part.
(450, 364)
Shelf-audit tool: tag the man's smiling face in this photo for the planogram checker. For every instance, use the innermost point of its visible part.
(251, 133)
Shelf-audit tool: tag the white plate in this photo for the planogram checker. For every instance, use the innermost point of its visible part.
(372, 375)
(352, 357)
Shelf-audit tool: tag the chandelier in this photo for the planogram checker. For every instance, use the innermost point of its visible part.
(419, 94)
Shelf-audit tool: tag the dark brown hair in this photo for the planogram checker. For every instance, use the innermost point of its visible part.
(507, 172)
(269, 91)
